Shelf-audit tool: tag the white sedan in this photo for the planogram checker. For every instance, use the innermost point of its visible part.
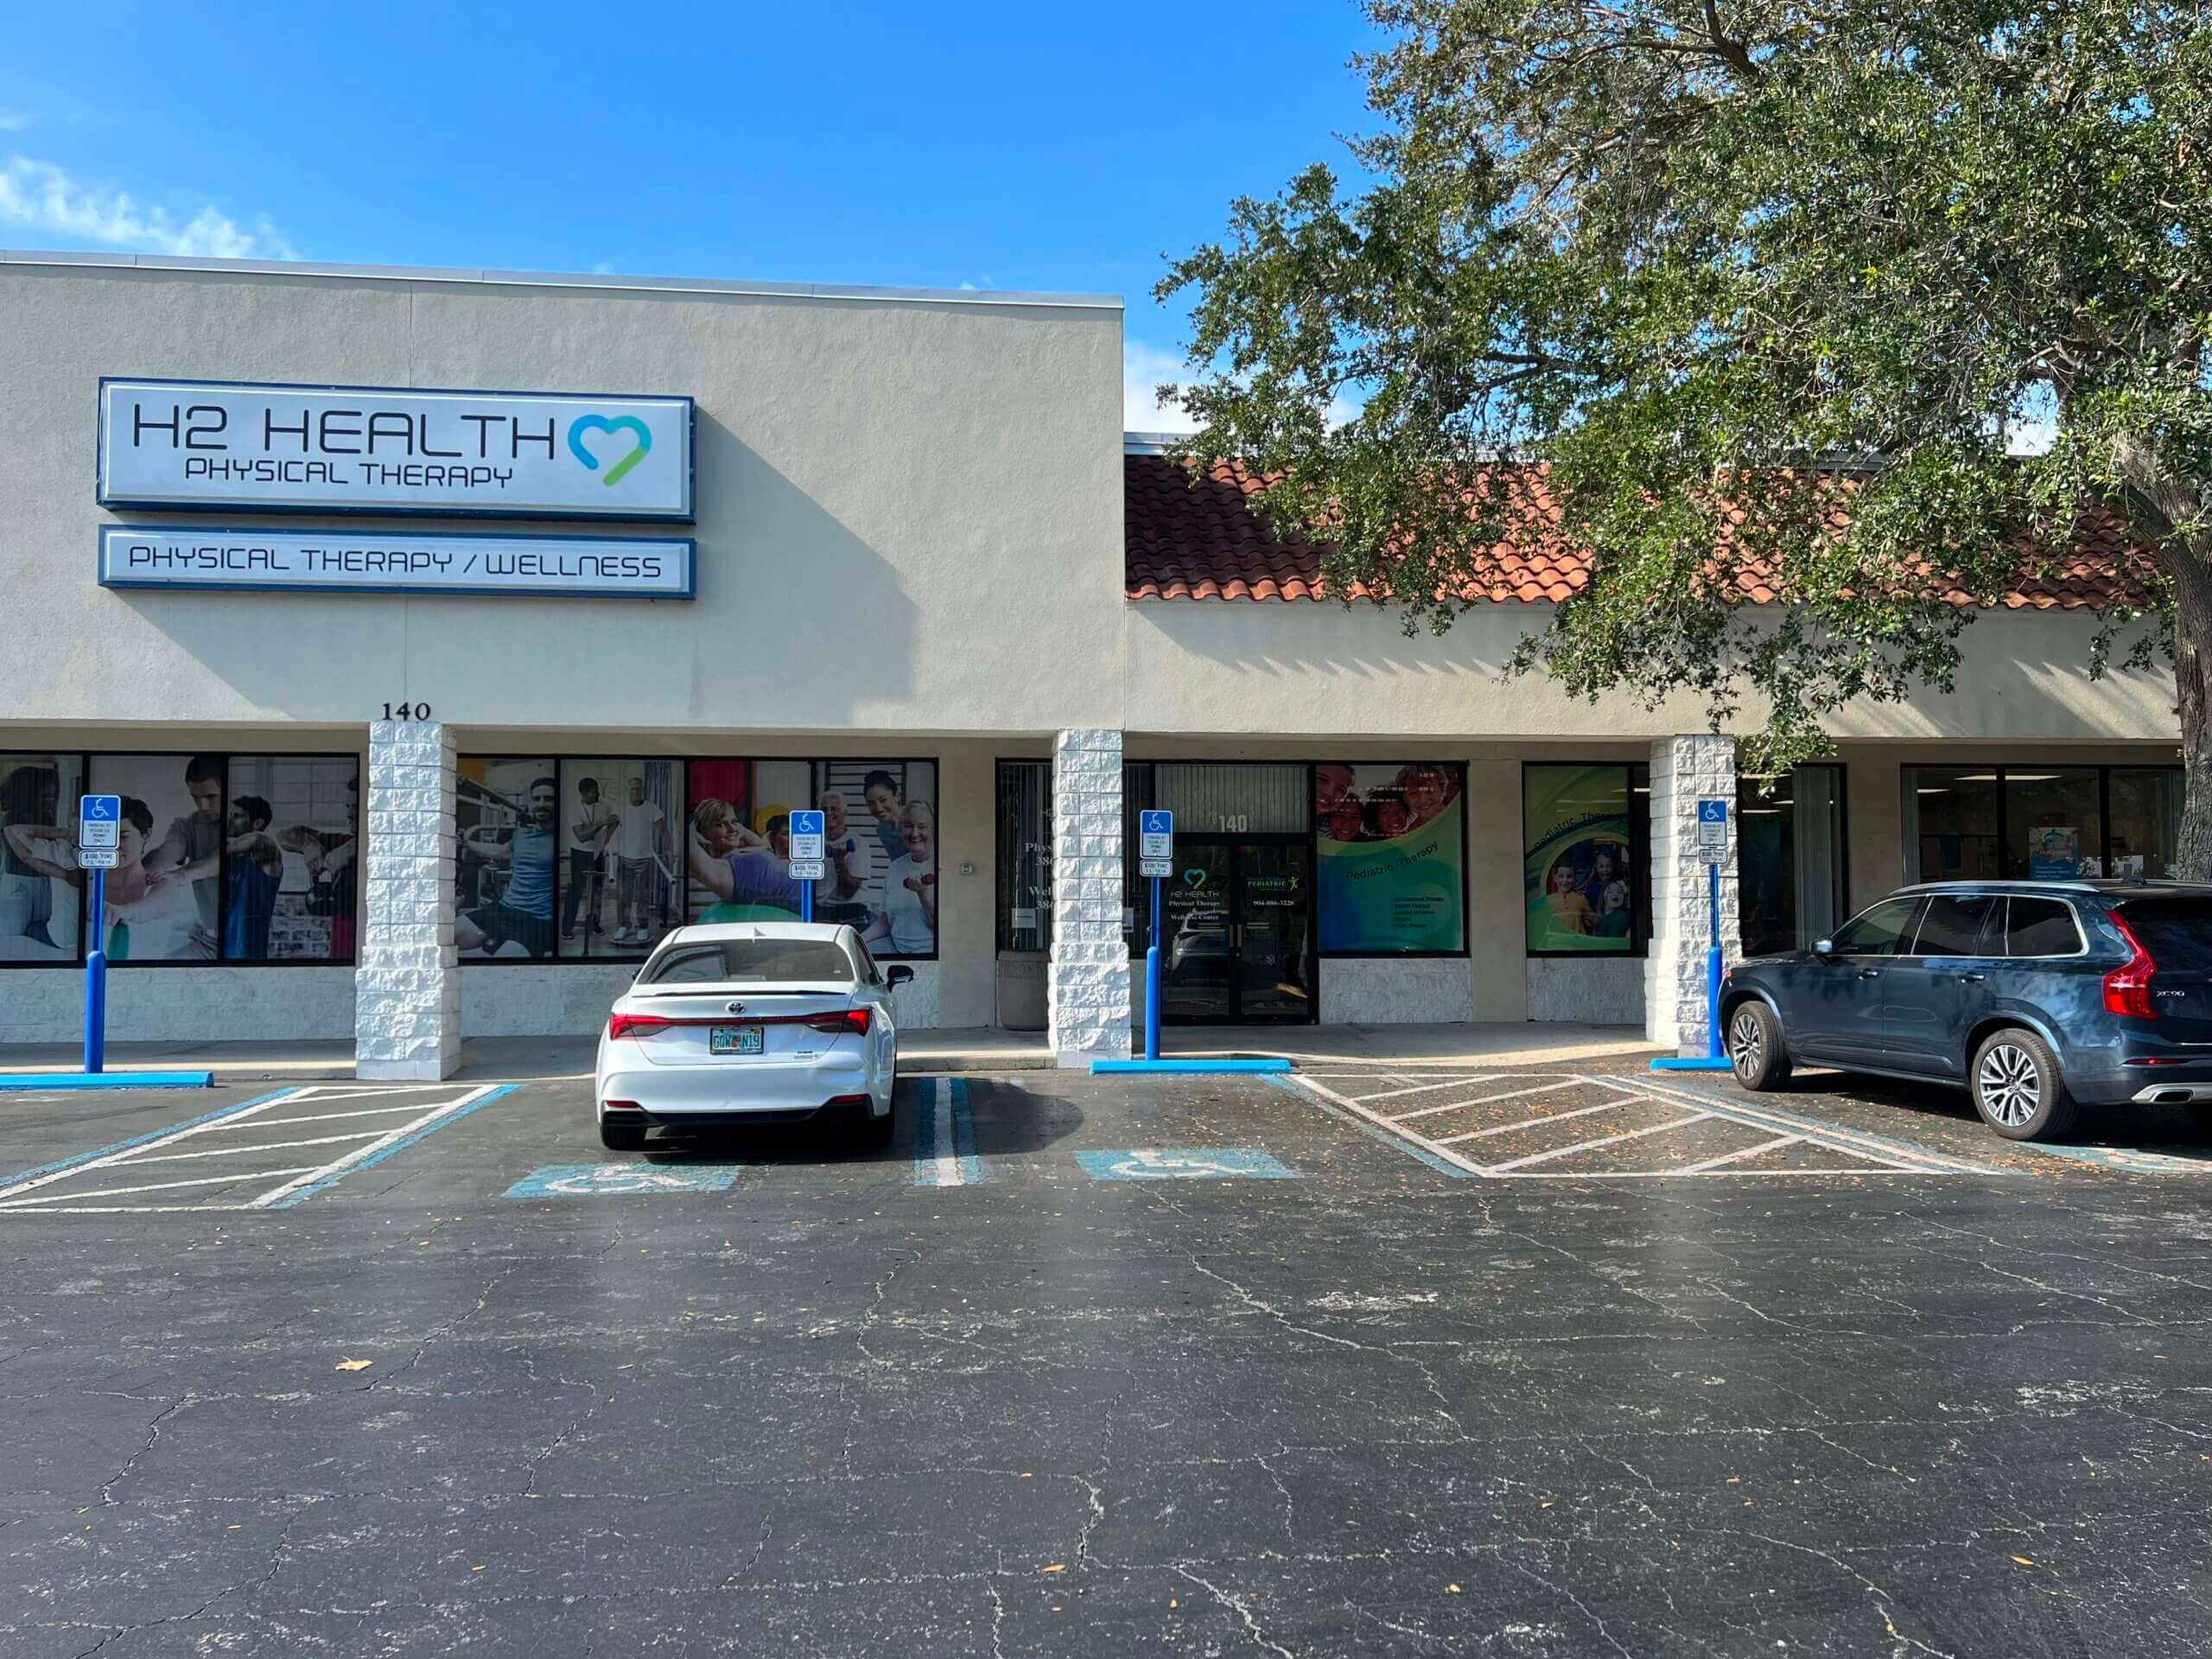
(762, 1022)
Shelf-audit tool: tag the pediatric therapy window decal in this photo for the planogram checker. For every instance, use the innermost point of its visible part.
(396, 561)
(1579, 869)
(280, 448)
(1391, 841)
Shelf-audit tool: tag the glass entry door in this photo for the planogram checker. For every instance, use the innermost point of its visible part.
(1235, 938)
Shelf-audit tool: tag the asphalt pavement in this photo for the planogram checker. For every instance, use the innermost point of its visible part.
(1558, 1361)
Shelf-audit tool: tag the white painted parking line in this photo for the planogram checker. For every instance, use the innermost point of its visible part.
(1479, 1100)
(1741, 1153)
(944, 1135)
(151, 1186)
(307, 1184)
(1545, 1118)
(1854, 1152)
(340, 1117)
(72, 1167)
(249, 1148)
(1532, 1123)
(267, 1168)
(1427, 1088)
(1592, 1145)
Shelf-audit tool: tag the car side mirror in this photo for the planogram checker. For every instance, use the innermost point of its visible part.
(1824, 947)
(897, 974)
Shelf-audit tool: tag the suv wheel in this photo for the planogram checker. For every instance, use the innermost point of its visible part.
(1755, 1046)
(2017, 1089)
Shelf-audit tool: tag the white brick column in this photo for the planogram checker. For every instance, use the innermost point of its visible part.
(407, 987)
(1685, 770)
(1087, 981)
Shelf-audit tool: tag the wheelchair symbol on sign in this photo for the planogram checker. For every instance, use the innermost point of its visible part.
(623, 1178)
(1148, 1164)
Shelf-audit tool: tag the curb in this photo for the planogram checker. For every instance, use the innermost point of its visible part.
(45, 1080)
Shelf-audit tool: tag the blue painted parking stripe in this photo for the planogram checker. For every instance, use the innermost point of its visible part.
(1442, 1167)
(944, 1135)
(60, 1164)
(339, 1172)
(59, 1080)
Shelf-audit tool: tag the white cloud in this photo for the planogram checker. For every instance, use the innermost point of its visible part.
(1143, 368)
(604, 267)
(40, 196)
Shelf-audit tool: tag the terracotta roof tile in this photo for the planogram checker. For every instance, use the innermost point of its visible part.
(1203, 538)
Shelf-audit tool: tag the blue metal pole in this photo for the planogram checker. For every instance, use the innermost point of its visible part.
(806, 901)
(1152, 981)
(96, 979)
(1714, 1049)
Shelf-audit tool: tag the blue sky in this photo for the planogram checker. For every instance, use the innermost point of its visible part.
(998, 146)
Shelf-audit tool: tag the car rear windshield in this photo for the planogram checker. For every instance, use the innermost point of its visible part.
(753, 961)
(2176, 931)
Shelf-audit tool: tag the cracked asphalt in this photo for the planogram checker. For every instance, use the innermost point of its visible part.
(1379, 1408)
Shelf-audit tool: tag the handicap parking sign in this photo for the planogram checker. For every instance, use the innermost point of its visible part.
(1155, 834)
(623, 1180)
(99, 820)
(808, 829)
(1184, 1164)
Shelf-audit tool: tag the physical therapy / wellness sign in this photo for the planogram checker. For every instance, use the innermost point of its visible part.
(276, 448)
(400, 561)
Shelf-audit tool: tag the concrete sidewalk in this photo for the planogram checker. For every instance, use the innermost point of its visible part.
(960, 1049)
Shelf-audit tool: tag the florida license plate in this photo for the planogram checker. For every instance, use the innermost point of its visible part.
(733, 1039)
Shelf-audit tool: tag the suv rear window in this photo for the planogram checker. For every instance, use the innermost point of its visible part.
(2176, 931)
(752, 961)
(2041, 927)
(1953, 925)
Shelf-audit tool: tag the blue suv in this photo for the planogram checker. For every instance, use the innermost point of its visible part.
(2036, 997)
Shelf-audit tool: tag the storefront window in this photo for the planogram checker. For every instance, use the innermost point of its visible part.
(1024, 864)
(1952, 825)
(291, 866)
(621, 852)
(1788, 858)
(1581, 866)
(2040, 822)
(2054, 830)
(1232, 799)
(164, 895)
(1391, 841)
(2146, 820)
(508, 813)
(42, 889)
(882, 874)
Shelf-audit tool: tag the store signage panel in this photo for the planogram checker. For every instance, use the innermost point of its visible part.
(277, 449)
(398, 562)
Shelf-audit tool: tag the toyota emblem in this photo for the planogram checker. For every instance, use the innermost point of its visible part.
(737, 1008)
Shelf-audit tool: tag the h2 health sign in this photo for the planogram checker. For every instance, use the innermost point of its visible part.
(279, 448)
(400, 561)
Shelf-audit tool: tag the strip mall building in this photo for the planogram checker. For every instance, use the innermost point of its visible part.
(451, 635)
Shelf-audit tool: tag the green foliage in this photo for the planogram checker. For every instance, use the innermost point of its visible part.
(1767, 289)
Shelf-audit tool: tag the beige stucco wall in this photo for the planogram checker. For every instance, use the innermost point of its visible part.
(1215, 666)
(906, 509)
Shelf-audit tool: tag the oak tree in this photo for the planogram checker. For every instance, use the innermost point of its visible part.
(1812, 325)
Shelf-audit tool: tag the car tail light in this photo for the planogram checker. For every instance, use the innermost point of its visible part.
(852, 1020)
(636, 1024)
(2127, 988)
(622, 1106)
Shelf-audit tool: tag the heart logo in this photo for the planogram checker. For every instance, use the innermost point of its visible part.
(629, 423)
(1194, 878)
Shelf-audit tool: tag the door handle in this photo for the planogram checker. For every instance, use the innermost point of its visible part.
(1869, 973)
(1971, 979)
